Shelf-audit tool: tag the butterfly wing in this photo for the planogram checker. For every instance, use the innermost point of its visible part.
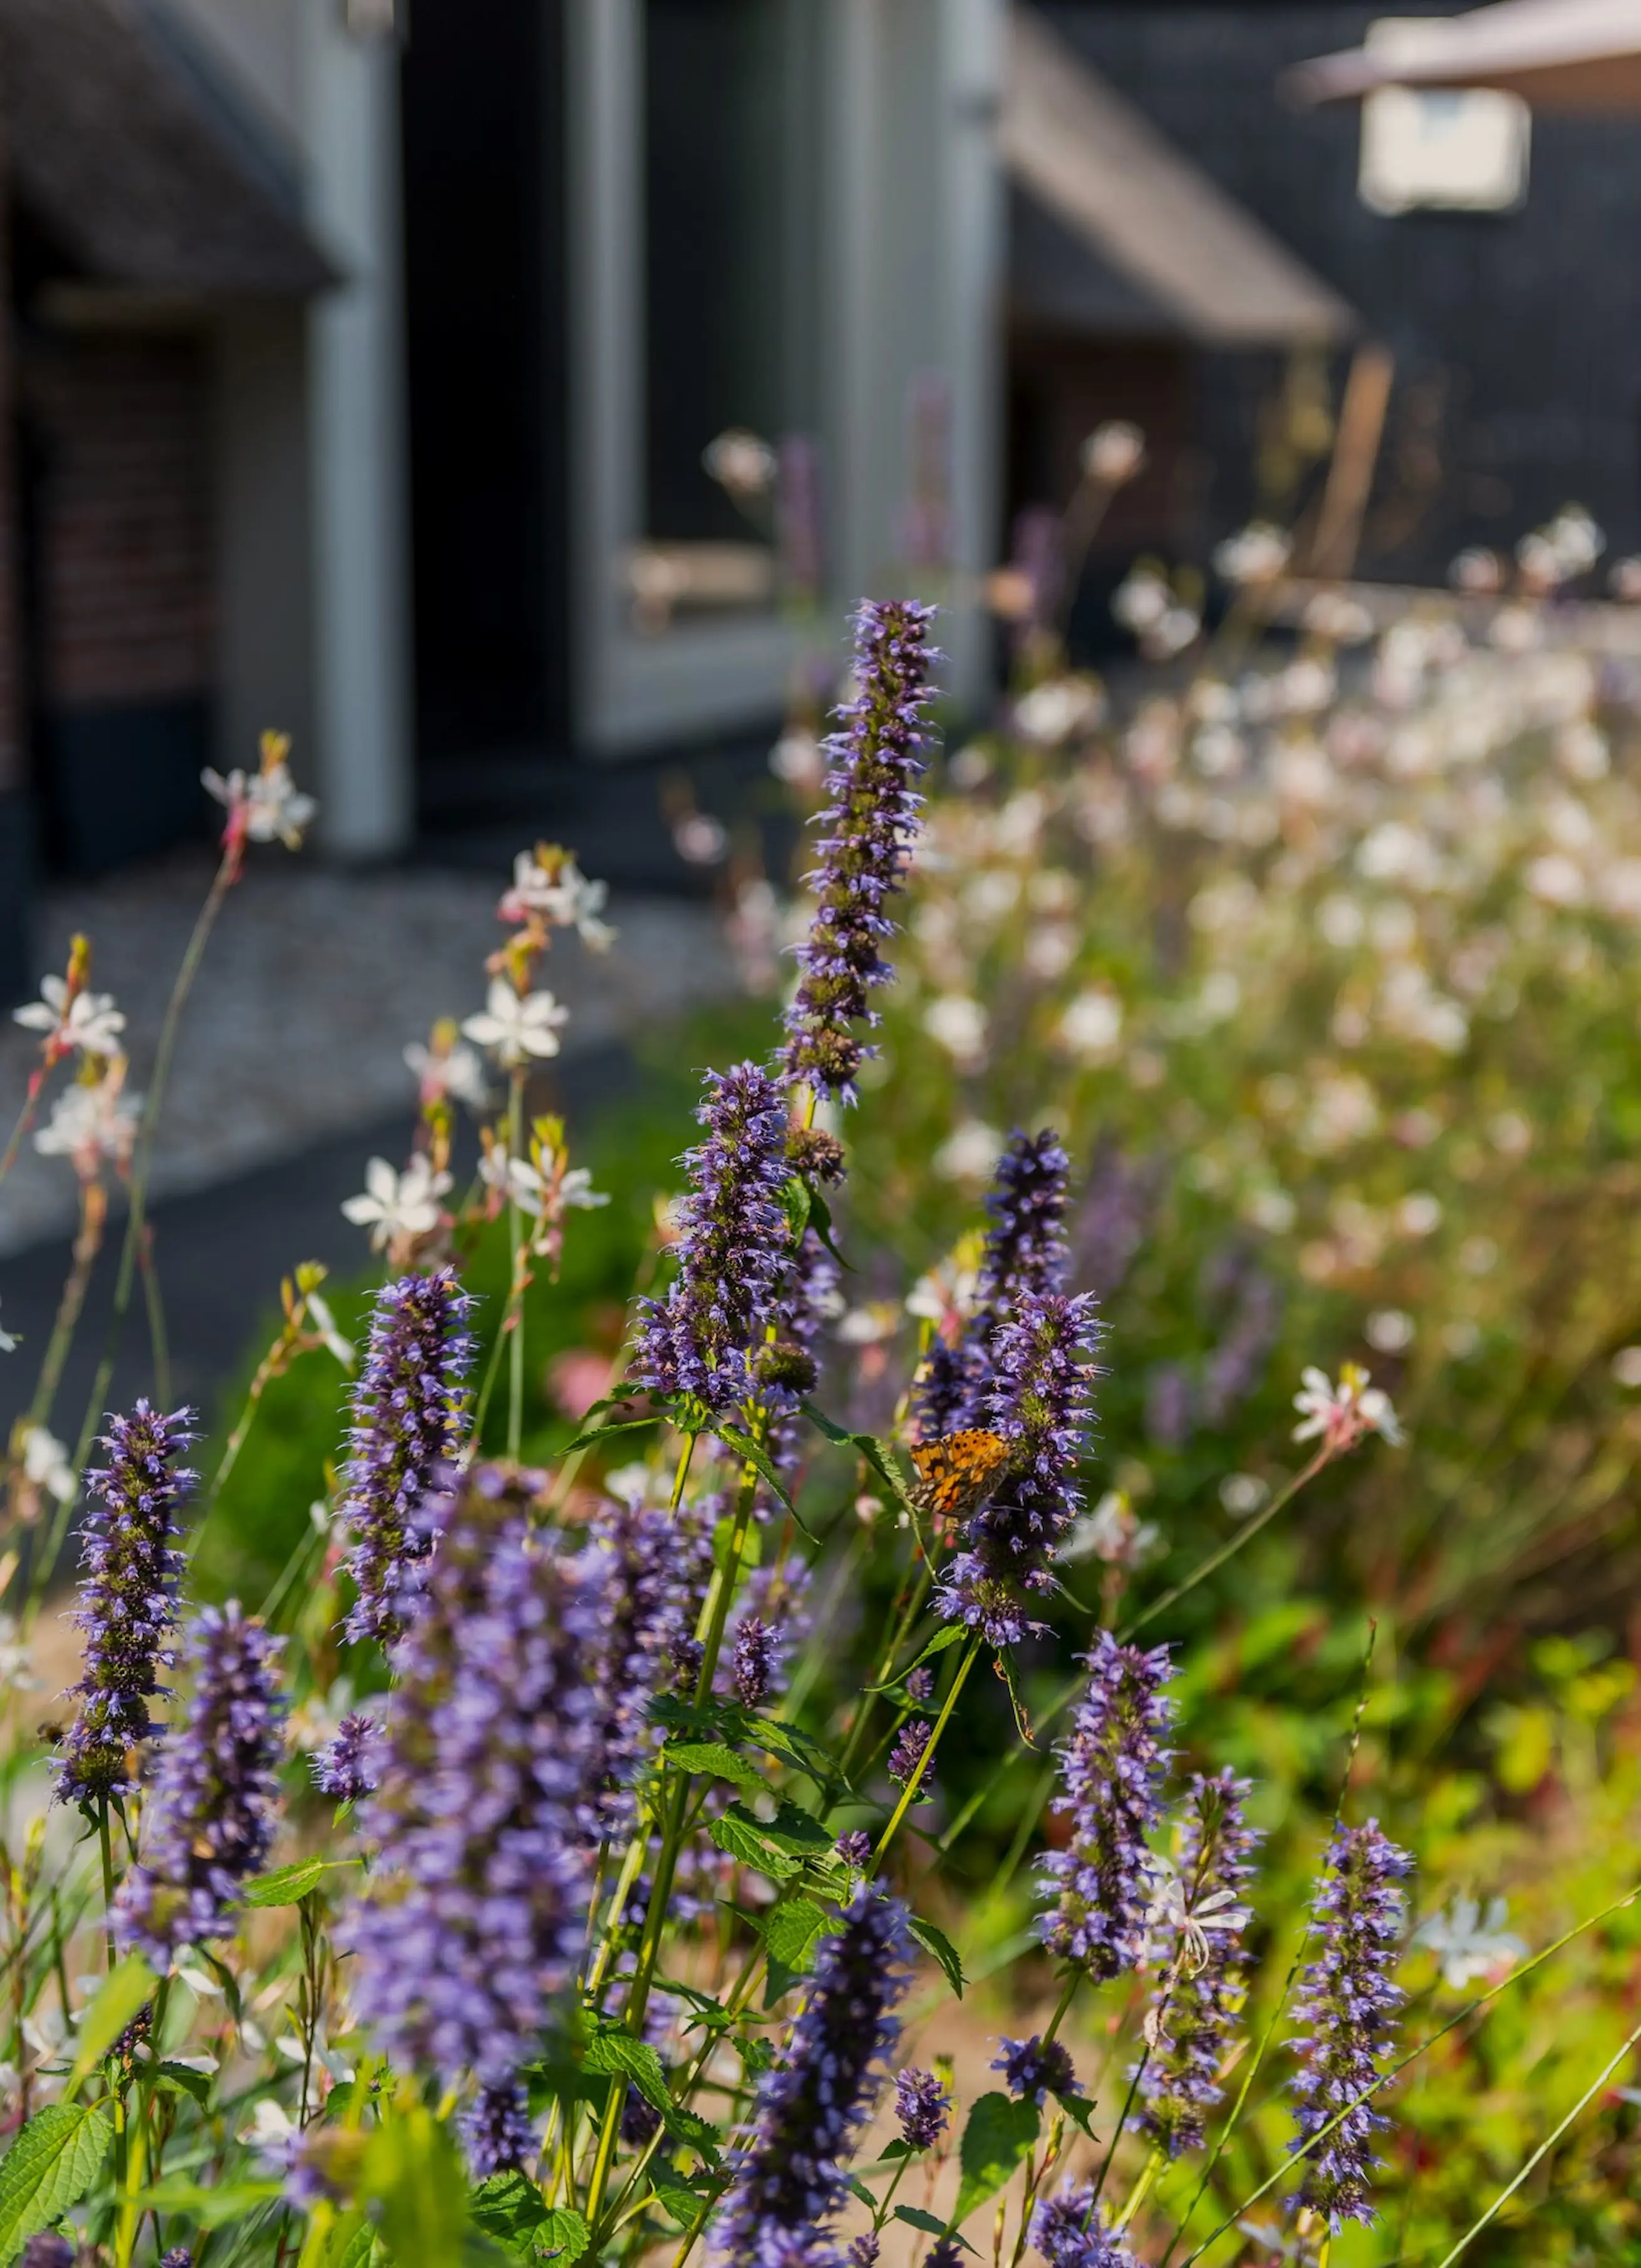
(958, 1471)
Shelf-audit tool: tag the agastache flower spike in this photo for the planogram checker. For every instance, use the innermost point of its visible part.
(1348, 2001)
(1024, 1252)
(126, 1600)
(408, 1414)
(490, 1759)
(1035, 2067)
(496, 2130)
(648, 1585)
(1204, 1983)
(345, 1768)
(1071, 2231)
(210, 1814)
(922, 2105)
(869, 818)
(1111, 1771)
(734, 1243)
(1042, 1405)
(908, 1754)
(793, 2176)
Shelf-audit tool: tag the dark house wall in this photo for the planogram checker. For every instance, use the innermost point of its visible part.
(1517, 336)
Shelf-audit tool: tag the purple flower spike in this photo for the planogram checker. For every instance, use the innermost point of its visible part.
(1349, 2001)
(1042, 1357)
(1025, 1253)
(908, 1754)
(863, 2249)
(1071, 2231)
(648, 1586)
(855, 1848)
(869, 818)
(1112, 1770)
(345, 1768)
(922, 2106)
(1035, 2067)
(1199, 2000)
(754, 1656)
(734, 1246)
(210, 1815)
(793, 2176)
(489, 1760)
(496, 2130)
(127, 1601)
(410, 1413)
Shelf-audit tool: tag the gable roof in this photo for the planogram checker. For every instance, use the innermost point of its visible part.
(145, 182)
(1208, 268)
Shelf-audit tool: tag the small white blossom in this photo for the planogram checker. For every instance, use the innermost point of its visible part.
(8, 1340)
(324, 1322)
(517, 1025)
(46, 1463)
(549, 886)
(943, 1292)
(1468, 1943)
(397, 1204)
(1170, 1907)
(89, 1021)
(1115, 1533)
(1340, 1415)
(92, 1125)
(867, 1326)
(457, 1073)
(266, 803)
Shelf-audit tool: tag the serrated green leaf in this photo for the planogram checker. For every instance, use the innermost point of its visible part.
(793, 1829)
(745, 1447)
(716, 1756)
(936, 1941)
(682, 2206)
(288, 1886)
(1080, 2111)
(508, 2207)
(49, 2168)
(791, 1928)
(619, 2055)
(186, 2079)
(796, 1746)
(744, 1840)
(122, 1992)
(351, 2243)
(562, 2233)
(998, 2132)
(212, 2208)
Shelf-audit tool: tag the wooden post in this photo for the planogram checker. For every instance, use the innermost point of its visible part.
(1355, 453)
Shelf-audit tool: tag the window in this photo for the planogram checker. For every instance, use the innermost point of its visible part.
(1458, 149)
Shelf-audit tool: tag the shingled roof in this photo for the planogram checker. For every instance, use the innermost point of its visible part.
(145, 174)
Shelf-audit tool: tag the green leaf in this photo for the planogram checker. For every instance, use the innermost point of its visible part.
(796, 1747)
(411, 2172)
(791, 1928)
(562, 2233)
(745, 1447)
(999, 2133)
(352, 2242)
(682, 2205)
(592, 1435)
(620, 2056)
(509, 2208)
(122, 1992)
(794, 1830)
(820, 1221)
(914, 2216)
(799, 1203)
(715, 1756)
(1079, 2109)
(183, 2077)
(876, 1452)
(49, 2168)
(943, 1638)
(288, 1886)
(212, 2208)
(936, 1941)
(863, 2192)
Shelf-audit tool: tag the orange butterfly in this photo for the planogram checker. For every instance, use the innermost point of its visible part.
(958, 1471)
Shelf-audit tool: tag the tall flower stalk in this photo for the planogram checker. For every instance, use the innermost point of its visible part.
(408, 1414)
(734, 1244)
(127, 1603)
(869, 818)
(1112, 1770)
(1349, 2000)
(210, 1819)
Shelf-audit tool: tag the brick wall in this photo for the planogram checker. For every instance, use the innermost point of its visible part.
(120, 430)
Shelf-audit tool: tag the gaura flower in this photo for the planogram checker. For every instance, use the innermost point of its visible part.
(1339, 1416)
(397, 1204)
(265, 805)
(517, 1027)
(69, 1018)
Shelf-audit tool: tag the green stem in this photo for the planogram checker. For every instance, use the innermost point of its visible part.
(118, 2091)
(1543, 2150)
(1228, 1549)
(515, 1243)
(87, 1244)
(908, 1793)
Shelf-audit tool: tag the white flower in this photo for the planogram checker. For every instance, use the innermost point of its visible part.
(324, 1324)
(867, 1326)
(959, 1026)
(92, 1124)
(1113, 1532)
(89, 1021)
(46, 1463)
(740, 461)
(458, 1072)
(1258, 553)
(944, 1291)
(1113, 452)
(524, 1184)
(968, 1152)
(1170, 1909)
(8, 1340)
(1053, 712)
(548, 884)
(271, 2133)
(1340, 1414)
(517, 1025)
(1092, 1024)
(1468, 1943)
(1141, 602)
(267, 802)
(397, 1204)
